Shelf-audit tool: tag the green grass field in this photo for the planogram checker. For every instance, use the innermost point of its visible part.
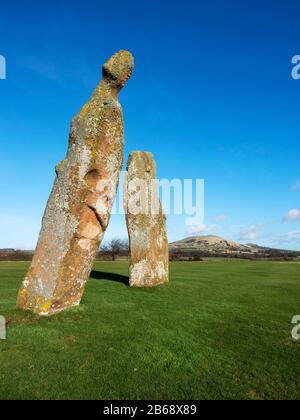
(219, 330)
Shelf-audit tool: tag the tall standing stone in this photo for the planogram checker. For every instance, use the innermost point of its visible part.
(146, 223)
(78, 210)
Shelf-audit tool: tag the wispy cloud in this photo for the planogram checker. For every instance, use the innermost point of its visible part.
(290, 237)
(251, 233)
(292, 216)
(296, 187)
(42, 68)
(200, 230)
(76, 69)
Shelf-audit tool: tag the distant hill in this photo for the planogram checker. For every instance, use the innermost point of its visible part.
(217, 246)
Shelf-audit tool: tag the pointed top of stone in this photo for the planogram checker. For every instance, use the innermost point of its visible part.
(118, 69)
(138, 153)
(143, 163)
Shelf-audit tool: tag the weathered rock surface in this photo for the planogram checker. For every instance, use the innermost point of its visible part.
(146, 223)
(78, 210)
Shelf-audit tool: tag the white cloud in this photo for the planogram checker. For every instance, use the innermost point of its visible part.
(220, 218)
(292, 216)
(290, 237)
(296, 187)
(200, 230)
(45, 69)
(251, 233)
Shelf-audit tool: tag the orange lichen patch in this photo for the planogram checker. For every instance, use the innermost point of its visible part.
(22, 298)
(45, 307)
(34, 303)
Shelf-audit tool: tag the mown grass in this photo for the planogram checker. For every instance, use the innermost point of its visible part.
(219, 330)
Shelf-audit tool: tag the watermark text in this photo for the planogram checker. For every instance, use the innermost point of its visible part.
(296, 329)
(296, 68)
(2, 67)
(2, 328)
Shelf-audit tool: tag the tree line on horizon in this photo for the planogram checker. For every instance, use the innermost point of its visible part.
(118, 249)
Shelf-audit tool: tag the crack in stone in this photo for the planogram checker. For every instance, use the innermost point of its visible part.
(98, 217)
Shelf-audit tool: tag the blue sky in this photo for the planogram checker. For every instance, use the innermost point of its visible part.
(212, 97)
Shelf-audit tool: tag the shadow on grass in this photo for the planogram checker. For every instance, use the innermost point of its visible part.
(118, 278)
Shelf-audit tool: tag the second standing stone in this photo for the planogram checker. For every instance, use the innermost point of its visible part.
(146, 223)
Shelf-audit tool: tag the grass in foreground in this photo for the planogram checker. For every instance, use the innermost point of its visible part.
(219, 330)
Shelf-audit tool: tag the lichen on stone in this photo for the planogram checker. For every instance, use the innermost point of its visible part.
(73, 226)
(149, 249)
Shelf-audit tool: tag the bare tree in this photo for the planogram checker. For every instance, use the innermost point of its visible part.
(116, 247)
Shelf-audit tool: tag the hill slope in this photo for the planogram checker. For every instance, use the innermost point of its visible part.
(217, 245)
